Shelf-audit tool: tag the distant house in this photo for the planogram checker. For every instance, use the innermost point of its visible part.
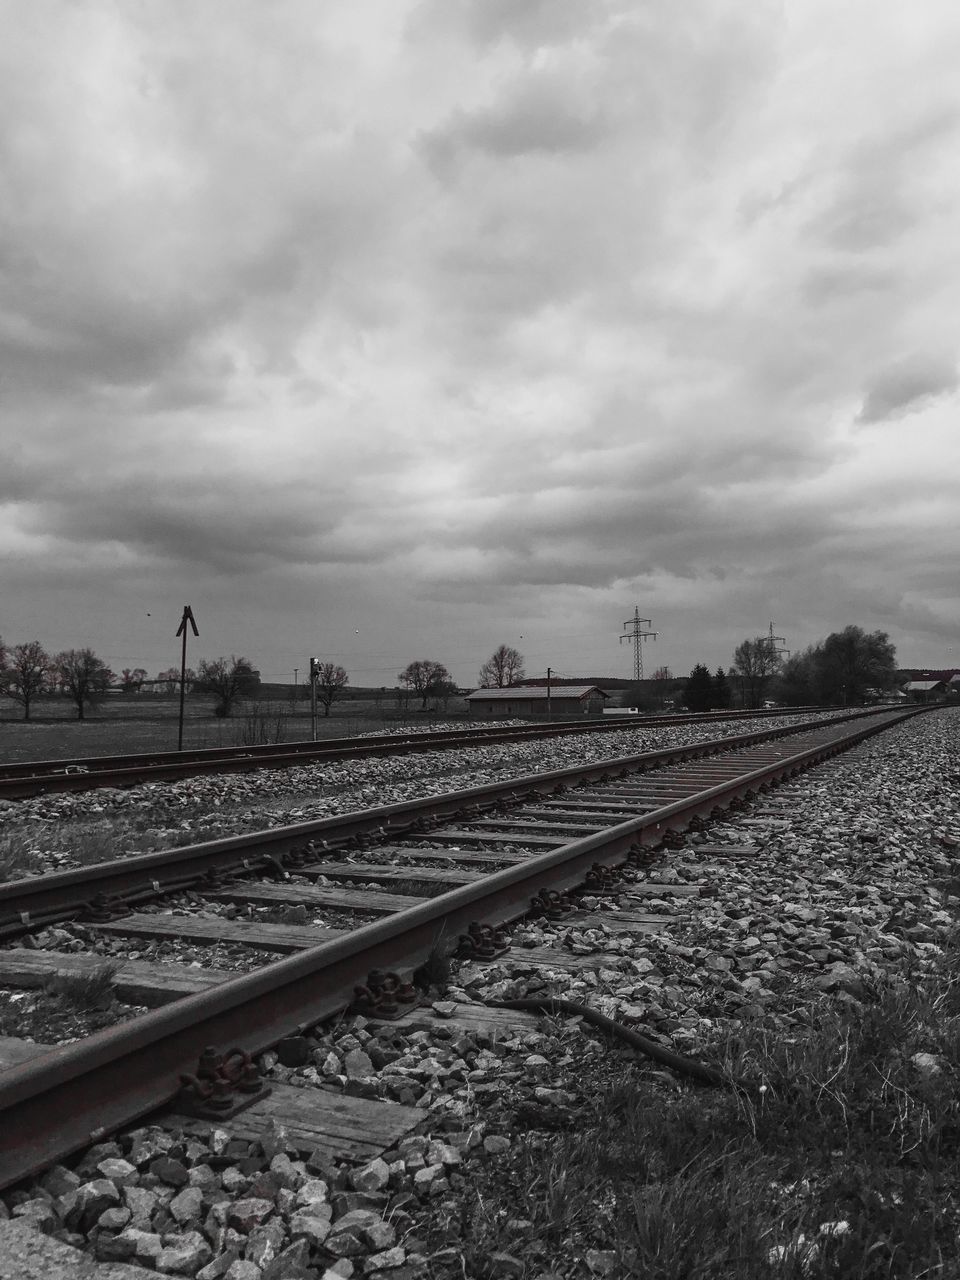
(529, 702)
(925, 690)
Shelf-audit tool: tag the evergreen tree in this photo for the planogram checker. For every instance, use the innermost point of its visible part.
(722, 693)
(698, 695)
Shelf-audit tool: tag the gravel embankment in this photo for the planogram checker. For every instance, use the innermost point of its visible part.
(851, 880)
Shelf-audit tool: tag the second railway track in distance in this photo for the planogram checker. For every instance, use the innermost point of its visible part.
(477, 860)
(84, 773)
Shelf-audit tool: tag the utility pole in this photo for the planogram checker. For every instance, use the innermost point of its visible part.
(549, 673)
(314, 672)
(182, 631)
(634, 634)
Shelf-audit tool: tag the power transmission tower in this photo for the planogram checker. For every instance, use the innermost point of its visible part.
(773, 642)
(634, 634)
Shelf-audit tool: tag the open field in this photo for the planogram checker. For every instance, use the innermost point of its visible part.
(135, 724)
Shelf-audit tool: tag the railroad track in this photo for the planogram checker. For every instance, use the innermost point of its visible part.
(543, 835)
(19, 781)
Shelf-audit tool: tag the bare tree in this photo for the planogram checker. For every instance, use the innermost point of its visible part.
(425, 678)
(663, 673)
(131, 681)
(25, 674)
(331, 681)
(504, 667)
(755, 661)
(225, 682)
(83, 675)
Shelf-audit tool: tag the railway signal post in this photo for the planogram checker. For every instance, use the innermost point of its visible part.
(182, 631)
(314, 673)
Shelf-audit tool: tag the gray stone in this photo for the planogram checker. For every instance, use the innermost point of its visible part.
(264, 1243)
(40, 1213)
(114, 1219)
(187, 1205)
(373, 1176)
(59, 1180)
(219, 1266)
(310, 1226)
(109, 1248)
(344, 1201)
(92, 1198)
(141, 1202)
(357, 1064)
(495, 1144)
(204, 1177)
(146, 1244)
(386, 1260)
(149, 1145)
(357, 1220)
(292, 1264)
(184, 1255)
(120, 1172)
(380, 1236)
(312, 1191)
(929, 1064)
(233, 1181)
(25, 1254)
(243, 1270)
(244, 1215)
(347, 1244)
(172, 1172)
(274, 1140)
(424, 1177)
(289, 1173)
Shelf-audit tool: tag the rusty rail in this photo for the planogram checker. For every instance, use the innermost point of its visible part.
(32, 902)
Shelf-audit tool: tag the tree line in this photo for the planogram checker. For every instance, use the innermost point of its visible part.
(27, 672)
(849, 667)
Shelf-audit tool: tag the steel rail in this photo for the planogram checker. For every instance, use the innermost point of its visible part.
(19, 781)
(31, 902)
(78, 1093)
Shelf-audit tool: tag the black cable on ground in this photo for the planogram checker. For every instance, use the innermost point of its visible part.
(675, 1061)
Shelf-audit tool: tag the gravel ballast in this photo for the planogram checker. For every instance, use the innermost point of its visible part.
(61, 831)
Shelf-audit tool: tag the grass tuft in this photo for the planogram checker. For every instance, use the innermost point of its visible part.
(436, 969)
(84, 992)
(17, 858)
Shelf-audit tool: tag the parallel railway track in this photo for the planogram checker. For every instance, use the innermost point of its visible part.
(84, 773)
(552, 831)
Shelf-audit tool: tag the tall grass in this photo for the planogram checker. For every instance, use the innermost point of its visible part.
(838, 1157)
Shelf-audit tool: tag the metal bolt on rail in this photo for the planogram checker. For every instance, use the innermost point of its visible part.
(384, 995)
(552, 904)
(222, 1086)
(482, 942)
(600, 878)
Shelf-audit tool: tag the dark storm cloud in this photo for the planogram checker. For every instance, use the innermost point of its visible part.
(905, 386)
(541, 115)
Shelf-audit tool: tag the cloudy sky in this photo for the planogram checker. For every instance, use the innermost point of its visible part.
(395, 329)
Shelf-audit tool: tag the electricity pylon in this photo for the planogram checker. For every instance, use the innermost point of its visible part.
(634, 634)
